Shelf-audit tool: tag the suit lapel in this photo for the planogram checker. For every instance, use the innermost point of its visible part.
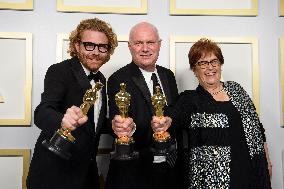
(80, 74)
(165, 83)
(139, 81)
(84, 83)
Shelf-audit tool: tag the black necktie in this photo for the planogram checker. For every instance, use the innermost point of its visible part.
(95, 77)
(155, 82)
(172, 156)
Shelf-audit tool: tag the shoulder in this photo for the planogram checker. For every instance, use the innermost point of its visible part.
(166, 73)
(232, 85)
(62, 65)
(124, 72)
(188, 93)
(60, 70)
(121, 70)
(163, 69)
(235, 89)
(188, 96)
(119, 76)
(186, 102)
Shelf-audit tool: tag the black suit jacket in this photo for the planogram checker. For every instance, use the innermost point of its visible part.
(64, 86)
(141, 111)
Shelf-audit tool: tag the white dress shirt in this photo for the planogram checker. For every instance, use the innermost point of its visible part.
(149, 82)
(98, 103)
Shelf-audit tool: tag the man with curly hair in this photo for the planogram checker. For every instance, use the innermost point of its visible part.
(91, 45)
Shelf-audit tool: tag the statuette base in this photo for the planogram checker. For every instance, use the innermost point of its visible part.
(124, 152)
(162, 148)
(59, 145)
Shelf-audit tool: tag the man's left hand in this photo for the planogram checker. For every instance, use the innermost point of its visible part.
(160, 124)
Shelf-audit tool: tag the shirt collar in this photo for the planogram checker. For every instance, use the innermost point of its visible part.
(87, 71)
(147, 75)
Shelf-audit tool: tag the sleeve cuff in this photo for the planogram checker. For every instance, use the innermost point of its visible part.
(133, 130)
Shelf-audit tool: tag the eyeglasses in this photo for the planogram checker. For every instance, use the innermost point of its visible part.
(103, 48)
(205, 64)
(148, 43)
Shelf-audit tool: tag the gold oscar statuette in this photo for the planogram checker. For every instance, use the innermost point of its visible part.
(159, 102)
(62, 140)
(122, 99)
(124, 145)
(89, 99)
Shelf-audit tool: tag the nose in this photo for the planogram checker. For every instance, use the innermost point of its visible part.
(145, 47)
(96, 50)
(209, 65)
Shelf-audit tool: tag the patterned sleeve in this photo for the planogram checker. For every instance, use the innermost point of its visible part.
(252, 109)
(259, 175)
(263, 132)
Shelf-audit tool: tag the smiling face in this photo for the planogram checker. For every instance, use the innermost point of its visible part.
(92, 60)
(144, 45)
(208, 76)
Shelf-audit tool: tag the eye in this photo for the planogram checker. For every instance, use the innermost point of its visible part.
(215, 62)
(150, 43)
(88, 44)
(138, 43)
(202, 63)
(105, 46)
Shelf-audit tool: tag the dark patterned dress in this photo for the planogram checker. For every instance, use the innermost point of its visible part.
(225, 140)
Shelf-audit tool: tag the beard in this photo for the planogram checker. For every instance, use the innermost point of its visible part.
(92, 62)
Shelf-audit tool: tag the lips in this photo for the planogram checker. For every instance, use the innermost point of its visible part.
(146, 55)
(91, 58)
(210, 73)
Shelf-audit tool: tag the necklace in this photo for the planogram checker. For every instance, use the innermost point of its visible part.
(220, 91)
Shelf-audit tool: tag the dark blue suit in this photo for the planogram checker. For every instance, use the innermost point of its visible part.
(64, 86)
(138, 173)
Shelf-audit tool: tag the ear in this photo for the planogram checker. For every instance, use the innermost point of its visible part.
(160, 43)
(194, 71)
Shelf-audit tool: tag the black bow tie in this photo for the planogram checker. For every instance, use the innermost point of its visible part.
(95, 77)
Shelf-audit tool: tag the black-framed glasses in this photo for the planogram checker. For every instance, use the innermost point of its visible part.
(103, 48)
(205, 64)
